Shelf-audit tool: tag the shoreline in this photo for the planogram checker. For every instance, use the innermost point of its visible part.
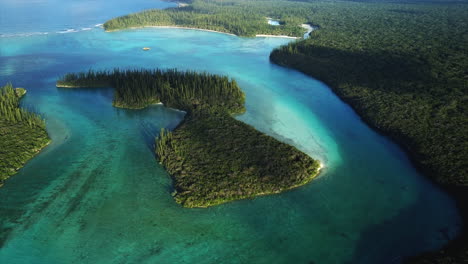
(176, 27)
(66, 86)
(207, 30)
(290, 188)
(192, 28)
(35, 152)
(275, 36)
(32, 139)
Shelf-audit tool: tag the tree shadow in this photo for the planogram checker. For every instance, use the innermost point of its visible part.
(364, 69)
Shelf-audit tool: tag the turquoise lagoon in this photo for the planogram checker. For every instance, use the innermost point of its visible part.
(97, 194)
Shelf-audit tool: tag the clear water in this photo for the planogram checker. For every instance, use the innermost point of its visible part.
(26, 17)
(97, 195)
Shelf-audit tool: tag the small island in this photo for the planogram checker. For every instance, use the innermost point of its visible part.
(23, 133)
(212, 157)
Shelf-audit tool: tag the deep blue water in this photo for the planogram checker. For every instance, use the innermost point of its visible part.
(97, 195)
(25, 17)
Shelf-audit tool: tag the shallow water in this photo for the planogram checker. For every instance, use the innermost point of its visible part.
(97, 195)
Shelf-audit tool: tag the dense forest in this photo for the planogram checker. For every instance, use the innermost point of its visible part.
(22, 133)
(216, 159)
(242, 18)
(212, 157)
(184, 90)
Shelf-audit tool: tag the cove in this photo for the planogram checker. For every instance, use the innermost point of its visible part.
(97, 195)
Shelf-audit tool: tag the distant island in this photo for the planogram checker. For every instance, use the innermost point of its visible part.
(23, 133)
(212, 157)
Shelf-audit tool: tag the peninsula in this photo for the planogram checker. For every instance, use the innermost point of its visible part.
(22, 133)
(212, 157)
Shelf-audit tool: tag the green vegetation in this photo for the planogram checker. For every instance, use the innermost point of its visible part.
(242, 18)
(22, 133)
(212, 157)
(216, 158)
(186, 91)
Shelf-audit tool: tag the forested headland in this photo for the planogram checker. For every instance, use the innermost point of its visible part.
(241, 18)
(22, 132)
(212, 157)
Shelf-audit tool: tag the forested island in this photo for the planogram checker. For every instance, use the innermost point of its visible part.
(22, 132)
(212, 157)
(401, 66)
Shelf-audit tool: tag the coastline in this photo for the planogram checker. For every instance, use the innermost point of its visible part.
(308, 180)
(177, 27)
(275, 36)
(66, 86)
(35, 152)
(23, 138)
(207, 30)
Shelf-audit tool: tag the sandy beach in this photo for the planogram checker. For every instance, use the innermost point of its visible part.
(274, 36)
(209, 30)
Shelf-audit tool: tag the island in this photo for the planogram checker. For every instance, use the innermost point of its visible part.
(22, 132)
(212, 157)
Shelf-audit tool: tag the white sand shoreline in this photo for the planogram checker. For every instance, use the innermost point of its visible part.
(321, 166)
(179, 27)
(275, 36)
(208, 30)
(200, 29)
